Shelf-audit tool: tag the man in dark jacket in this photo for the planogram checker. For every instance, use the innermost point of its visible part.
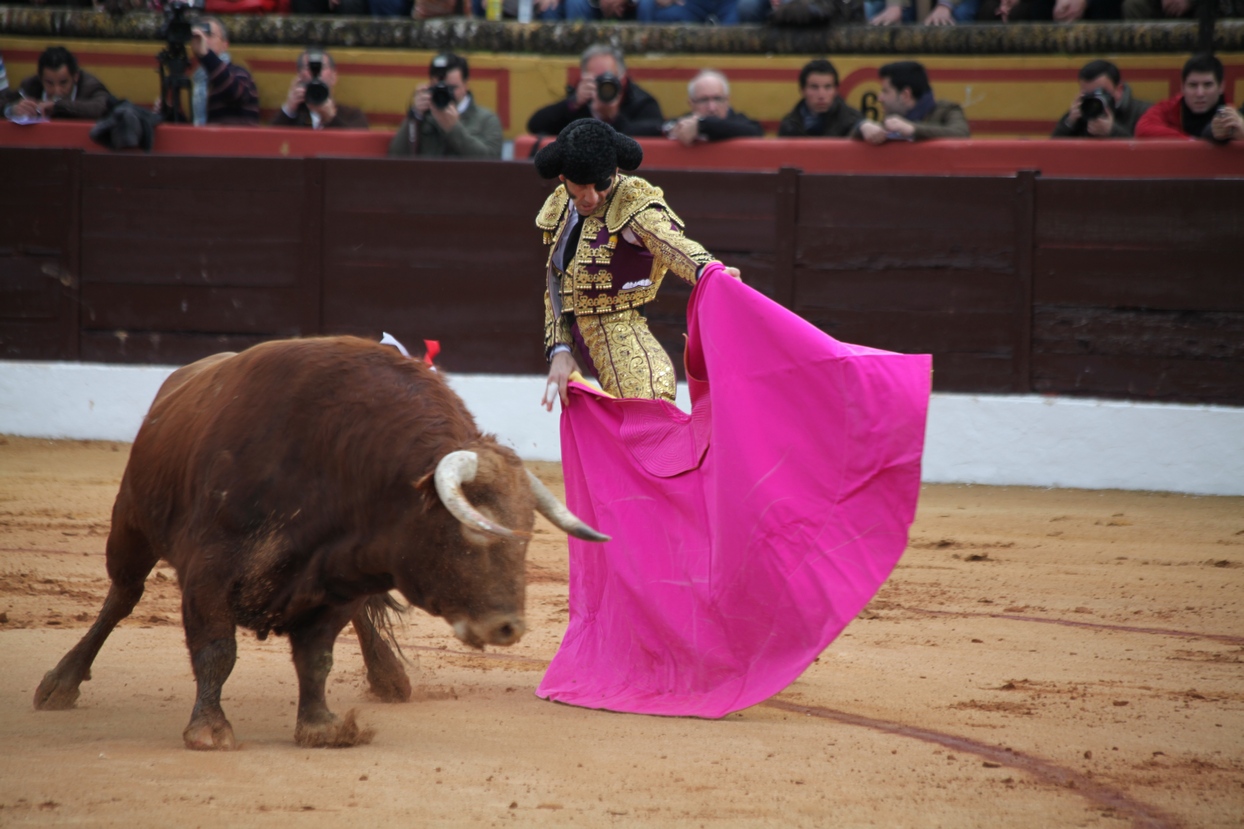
(912, 113)
(711, 117)
(1113, 110)
(604, 92)
(821, 113)
(59, 90)
(320, 109)
(221, 92)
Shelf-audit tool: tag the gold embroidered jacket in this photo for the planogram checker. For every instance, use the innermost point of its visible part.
(624, 251)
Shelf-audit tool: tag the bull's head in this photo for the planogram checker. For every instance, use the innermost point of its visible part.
(496, 530)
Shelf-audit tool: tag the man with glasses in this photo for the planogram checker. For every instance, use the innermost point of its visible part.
(444, 119)
(711, 117)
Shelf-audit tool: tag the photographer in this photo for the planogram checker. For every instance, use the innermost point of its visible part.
(1199, 111)
(605, 93)
(220, 91)
(310, 102)
(444, 119)
(1104, 108)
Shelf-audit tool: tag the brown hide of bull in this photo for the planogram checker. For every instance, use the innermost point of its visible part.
(287, 485)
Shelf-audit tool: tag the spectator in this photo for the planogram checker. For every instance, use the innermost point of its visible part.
(547, 11)
(350, 8)
(59, 89)
(912, 114)
(444, 119)
(941, 13)
(604, 92)
(1155, 9)
(317, 108)
(1059, 11)
(724, 12)
(821, 113)
(1113, 109)
(711, 117)
(221, 92)
(1200, 111)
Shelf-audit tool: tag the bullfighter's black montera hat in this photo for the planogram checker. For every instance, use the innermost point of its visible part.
(588, 151)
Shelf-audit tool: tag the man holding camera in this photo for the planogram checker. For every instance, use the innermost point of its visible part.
(59, 89)
(605, 93)
(711, 117)
(1200, 111)
(444, 119)
(220, 91)
(1104, 108)
(310, 100)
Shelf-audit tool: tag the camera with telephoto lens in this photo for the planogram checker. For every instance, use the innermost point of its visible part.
(442, 95)
(317, 90)
(1095, 104)
(177, 30)
(608, 88)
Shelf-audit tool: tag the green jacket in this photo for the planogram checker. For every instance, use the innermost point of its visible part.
(477, 135)
(945, 121)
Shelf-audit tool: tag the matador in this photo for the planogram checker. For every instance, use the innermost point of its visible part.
(611, 238)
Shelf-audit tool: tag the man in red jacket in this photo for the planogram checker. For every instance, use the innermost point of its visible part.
(1199, 112)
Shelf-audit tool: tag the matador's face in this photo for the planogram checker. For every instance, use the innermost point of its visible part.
(587, 199)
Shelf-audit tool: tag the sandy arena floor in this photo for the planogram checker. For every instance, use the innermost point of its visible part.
(1038, 659)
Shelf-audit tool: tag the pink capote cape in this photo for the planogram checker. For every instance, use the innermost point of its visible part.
(747, 534)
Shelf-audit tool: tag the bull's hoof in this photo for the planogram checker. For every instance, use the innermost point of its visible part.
(54, 693)
(334, 733)
(390, 684)
(206, 736)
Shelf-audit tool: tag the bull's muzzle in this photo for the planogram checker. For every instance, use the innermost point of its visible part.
(498, 629)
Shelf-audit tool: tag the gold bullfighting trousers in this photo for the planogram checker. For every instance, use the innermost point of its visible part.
(624, 355)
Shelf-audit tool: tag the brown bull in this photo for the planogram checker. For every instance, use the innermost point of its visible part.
(291, 487)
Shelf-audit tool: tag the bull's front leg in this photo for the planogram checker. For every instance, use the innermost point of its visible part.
(317, 726)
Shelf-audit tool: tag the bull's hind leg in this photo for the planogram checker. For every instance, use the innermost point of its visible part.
(211, 636)
(130, 559)
(319, 727)
(385, 673)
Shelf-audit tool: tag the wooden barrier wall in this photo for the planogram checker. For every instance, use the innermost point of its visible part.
(1015, 283)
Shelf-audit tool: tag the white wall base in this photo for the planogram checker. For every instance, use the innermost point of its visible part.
(982, 439)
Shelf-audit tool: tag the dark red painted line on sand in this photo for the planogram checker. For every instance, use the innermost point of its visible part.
(1187, 634)
(1140, 814)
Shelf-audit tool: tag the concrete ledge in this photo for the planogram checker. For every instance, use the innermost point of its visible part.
(981, 439)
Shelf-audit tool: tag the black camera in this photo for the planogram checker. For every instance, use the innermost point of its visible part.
(177, 30)
(317, 90)
(1095, 104)
(442, 95)
(608, 88)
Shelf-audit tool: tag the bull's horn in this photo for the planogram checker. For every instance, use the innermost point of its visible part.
(454, 470)
(562, 518)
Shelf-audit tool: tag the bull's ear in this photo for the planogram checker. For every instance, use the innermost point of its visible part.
(426, 487)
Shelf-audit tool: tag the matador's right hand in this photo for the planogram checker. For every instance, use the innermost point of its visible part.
(560, 370)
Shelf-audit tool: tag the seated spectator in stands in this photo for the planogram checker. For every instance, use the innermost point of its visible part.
(1200, 111)
(59, 89)
(546, 11)
(912, 114)
(711, 117)
(604, 92)
(1157, 9)
(821, 113)
(724, 12)
(1110, 111)
(802, 12)
(346, 8)
(444, 120)
(317, 108)
(941, 12)
(1059, 11)
(221, 92)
